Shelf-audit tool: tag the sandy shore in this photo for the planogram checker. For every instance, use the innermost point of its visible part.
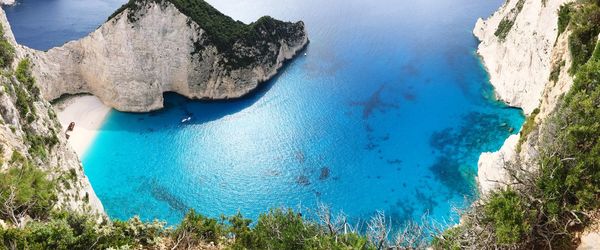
(88, 113)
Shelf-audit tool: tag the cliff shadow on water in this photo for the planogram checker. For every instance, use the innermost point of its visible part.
(181, 111)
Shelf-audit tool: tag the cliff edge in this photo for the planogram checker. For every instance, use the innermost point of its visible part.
(519, 47)
(149, 47)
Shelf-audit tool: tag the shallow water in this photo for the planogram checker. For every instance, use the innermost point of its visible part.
(389, 110)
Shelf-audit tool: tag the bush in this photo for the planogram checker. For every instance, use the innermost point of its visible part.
(509, 216)
(25, 190)
(528, 127)
(23, 74)
(564, 17)
(196, 228)
(7, 52)
(585, 23)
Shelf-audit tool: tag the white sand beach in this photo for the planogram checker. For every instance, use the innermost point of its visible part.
(88, 113)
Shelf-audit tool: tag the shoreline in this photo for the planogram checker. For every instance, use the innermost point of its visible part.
(518, 68)
(88, 113)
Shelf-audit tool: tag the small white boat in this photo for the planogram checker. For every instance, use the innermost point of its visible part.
(186, 119)
(305, 54)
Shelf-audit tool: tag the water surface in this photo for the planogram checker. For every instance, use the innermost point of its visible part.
(389, 110)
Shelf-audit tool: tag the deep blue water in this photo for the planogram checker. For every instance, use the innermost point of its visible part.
(389, 110)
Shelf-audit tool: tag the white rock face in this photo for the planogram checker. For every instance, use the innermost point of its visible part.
(61, 159)
(490, 174)
(519, 66)
(519, 69)
(130, 65)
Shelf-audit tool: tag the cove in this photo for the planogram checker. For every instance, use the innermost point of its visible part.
(388, 110)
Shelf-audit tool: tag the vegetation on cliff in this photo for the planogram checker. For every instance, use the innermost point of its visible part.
(30, 188)
(223, 32)
(546, 204)
(542, 207)
(508, 21)
(277, 229)
(7, 52)
(584, 22)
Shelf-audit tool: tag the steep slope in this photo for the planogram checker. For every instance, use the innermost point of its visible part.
(519, 47)
(31, 138)
(516, 47)
(150, 47)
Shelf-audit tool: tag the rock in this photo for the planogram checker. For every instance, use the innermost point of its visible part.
(519, 67)
(138, 55)
(491, 173)
(60, 159)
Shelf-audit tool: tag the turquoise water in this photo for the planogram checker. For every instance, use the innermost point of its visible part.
(389, 110)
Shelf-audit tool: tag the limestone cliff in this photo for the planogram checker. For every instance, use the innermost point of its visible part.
(29, 130)
(150, 47)
(519, 64)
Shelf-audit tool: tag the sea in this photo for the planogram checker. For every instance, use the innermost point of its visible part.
(386, 110)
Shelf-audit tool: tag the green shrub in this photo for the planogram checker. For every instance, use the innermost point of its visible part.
(508, 21)
(23, 74)
(564, 17)
(31, 192)
(509, 215)
(585, 23)
(7, 52)
(571, 174)
(555, 73)
(528, 127)
(200, 228)
(283, 229)
(449, 239)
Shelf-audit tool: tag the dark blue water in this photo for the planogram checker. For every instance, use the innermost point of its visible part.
(389, 110)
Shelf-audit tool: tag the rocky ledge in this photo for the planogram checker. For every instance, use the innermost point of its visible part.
(519, 46)
(149, 47)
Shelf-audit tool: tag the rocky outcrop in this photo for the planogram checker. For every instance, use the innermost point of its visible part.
(59, 160)
(152, 48)
(519, 67)
(7, 2)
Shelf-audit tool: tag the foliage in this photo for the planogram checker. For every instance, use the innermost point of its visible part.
(222, 31)
(585, 23)
(571, 166)
(196, 228)
(26, 96)
(7, 52)
(528, 127)
(25, 190)
(277, 229)
(508, 215)
(68, 230)
(508, 21)
(449, 239)
(40, 144)
(23, 74)
(555, 73)
(549, 201)
(564, 17)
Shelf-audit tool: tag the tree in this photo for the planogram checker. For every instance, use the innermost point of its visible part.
(25, 190)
